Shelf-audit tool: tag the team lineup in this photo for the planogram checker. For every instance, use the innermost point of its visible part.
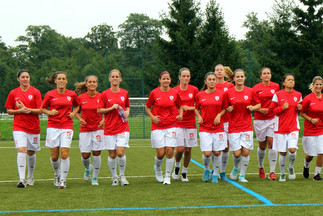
(222, 109)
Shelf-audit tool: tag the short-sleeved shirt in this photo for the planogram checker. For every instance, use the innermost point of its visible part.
(165, 105)
(225, 87)
(188, 98)
(113, 121)
(89, 111)
(28, 123)
(63, 103)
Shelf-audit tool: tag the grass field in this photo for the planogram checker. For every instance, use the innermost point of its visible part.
(144, 196)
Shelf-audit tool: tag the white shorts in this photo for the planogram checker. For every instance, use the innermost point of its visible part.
(226, 127)
(264, 128)
(59, 138)
(119, 140)
(92, 141)
(213, 141)
(283, 142)
(23, 139)
(163, 138)
(313, 145)
(239, 140)
(186, 137)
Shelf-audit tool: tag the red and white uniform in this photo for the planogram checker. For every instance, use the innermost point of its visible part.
(28, 123)
(225, 87)
(113, 121)
(63, 103)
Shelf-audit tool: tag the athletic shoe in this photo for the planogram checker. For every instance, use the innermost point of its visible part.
(291, 173)
(56, 180)
(30, 181)
(317, 177)
(123, 181)
(306, 172)
(158, 174)
(166, 181)
(175, 174)
(184, 177)
(272, 176)
(282, 178)
(115, 181)
(262, 173)
(206, 175)
(215, 179)
(87, 174)
(21, 184)
(94, 181)
(222, 176)
(234, 174)
(62, 184)
(242, 179)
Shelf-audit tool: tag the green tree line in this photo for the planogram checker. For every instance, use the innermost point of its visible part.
(289, 40)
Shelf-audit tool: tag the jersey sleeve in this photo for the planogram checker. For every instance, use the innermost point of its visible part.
(255, 99)
(305, 104)
(274, 106)
(178, 101)
(225, 100)
(46, 101)
(150, 102)
(102, 101)
(10, 101)
(38, 99)
(76, 101)
(127, 102)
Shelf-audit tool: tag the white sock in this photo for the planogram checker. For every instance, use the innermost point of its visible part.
(31, 161)
(282, 164)
(225, 158)
(291, 158)
(244, 165)
(55, 165)
(122, 164)
(113, 166)
(272, 157)
(307, 164)
(86, 162)
(65, 166)
(158, 163)
(236, 162)
(21, 164)
(318, 170)
(261, 157)
(96, 165)
(169, 166)
(216, 164)
(206, 162)
(178, 164)
(184, 169)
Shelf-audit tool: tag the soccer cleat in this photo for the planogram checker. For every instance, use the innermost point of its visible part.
(123, 181)
(291, 173)
(56, 180)
(205, 176)
(215, 179)
(222, 176)
(166, 181)
(234, 174)
(282, 178)
(21, 184)
(87, 174)
(262, 173)
(306, 172)
(184, 177)
(158, 174)
(272, 176)
(62, 184)
(175, 174)
(242, 179)
(317, 177)
(30, 181)
(115, 181)
(94, 181)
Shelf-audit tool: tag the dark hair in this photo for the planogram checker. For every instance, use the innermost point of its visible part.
(51, 80)
(162, 73)
(284, 78)
(205, 77)
(180, 73)
(80, 87)
(260, 72)
(22, 71)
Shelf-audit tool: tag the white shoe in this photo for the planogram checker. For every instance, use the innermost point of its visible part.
(94, 181)
(291, 173)
(174, 176)
(282, 178)
(115, 181)
(166, 181)
(242, 179)
(184, 177)
(123, 181)
(234, 174)
(30, 181)
(158, 174)
(56, 180)
(62, 184)
(87, 174)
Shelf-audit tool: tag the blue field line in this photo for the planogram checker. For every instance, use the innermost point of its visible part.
(160, 208)
(258, 196)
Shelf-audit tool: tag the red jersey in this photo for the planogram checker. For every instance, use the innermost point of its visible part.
(225, 87)
(210, 105)
(113, 121)
(313, 107)
(89, 108)
(188, 98)
(286, 121)
(28, 123)
(240, 119)
(165, 105)
(265, 95)
(63, 103)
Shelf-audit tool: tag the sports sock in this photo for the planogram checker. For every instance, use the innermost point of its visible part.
(261, 157)
(225, 158)
(169, 166)
(158, 162)
(96, 165)
(112, 166)
(86, 162)
(122, 164)
(282, 164)
(206, 162)
(216, 164)
(184, 169)
(178, 164)
(318, 170)
(65, 166)
(307, 164)
(272, 157)
(236, 161)
(31, 161)
(55, 165)
(291, 158)
(244, 165)
(21, 164)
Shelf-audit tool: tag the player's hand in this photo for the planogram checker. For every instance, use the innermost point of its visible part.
(285, 106)
(53, 112)
(101, 124)
(299, 107)
(200, 120)
(263, 111)
(179, 117)
(156, 119)
(229, 108)
(82, 122)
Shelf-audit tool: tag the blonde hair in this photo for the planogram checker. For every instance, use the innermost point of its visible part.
(228, 73)
(311, 86)
(80, 87)
(51, 80)
(115, 70)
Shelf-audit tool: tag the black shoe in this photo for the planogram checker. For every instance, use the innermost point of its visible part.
(306, 172)
(177, 170)
(21, 185)
(317, 177)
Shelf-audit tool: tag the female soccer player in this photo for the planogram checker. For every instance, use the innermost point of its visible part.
(166, 110)
(114, 104)
(59, 131)
(264, 122)
(91, 134)
(285, 105)
(186, 131)
(312, 112)
(223, 85)
(209, 109)
(241, 100)
(24, 103)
